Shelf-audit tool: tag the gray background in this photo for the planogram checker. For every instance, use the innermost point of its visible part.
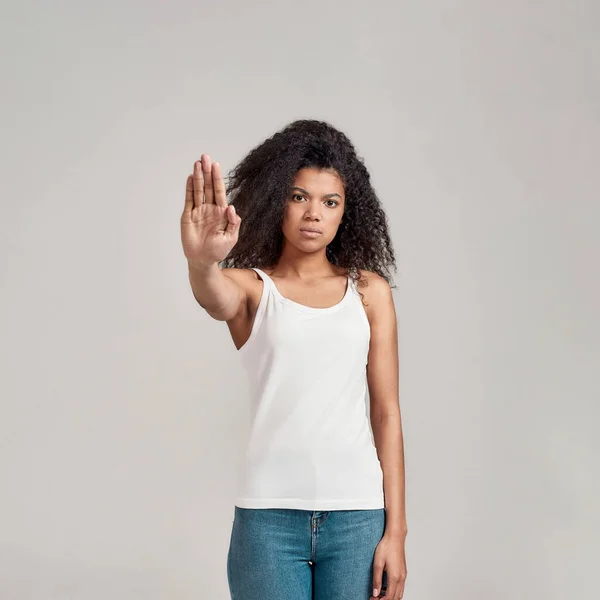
(123, 406)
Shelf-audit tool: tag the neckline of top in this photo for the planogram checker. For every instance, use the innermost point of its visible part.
(304, 307)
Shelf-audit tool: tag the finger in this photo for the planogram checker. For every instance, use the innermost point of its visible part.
(189, 196)
(209, 193)
(198, 181)
(377, 577)
(219, 185)
(392, 589)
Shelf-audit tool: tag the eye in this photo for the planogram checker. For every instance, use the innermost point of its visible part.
(335, 202)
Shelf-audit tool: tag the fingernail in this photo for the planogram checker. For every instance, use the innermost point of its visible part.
(375, 592)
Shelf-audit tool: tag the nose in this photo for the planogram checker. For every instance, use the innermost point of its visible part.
(312, 211)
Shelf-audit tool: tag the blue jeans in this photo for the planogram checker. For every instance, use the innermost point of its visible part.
(293, 554)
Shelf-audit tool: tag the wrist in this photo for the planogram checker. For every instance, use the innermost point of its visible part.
(396, 531)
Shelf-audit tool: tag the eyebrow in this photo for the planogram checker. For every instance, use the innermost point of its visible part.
(308, 194)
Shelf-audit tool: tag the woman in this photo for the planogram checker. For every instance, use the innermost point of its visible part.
(319, 511)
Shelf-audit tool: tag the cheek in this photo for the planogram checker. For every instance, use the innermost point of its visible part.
(292, 212)
(288, 217)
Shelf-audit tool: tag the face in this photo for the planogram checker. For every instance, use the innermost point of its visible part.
(315, 201)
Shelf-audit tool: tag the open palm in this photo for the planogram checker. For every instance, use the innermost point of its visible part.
(209, 226)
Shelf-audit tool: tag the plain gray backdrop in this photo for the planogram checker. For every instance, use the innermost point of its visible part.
(123, 405)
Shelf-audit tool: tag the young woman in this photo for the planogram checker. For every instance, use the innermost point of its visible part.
(319, 511)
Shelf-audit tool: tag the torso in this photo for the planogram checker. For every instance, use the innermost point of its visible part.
(320, 294)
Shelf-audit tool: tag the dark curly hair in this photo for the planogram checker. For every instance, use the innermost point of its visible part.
(260, 184)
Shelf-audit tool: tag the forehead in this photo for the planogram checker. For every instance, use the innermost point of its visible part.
(319, 181)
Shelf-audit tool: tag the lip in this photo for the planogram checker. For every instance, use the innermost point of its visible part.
(310, 230)
(310, 233)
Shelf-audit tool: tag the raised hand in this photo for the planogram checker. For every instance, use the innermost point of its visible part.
(209, 226)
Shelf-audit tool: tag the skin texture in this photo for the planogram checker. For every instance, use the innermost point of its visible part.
(336, 197)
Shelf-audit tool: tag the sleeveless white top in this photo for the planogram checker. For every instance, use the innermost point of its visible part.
(310, 445)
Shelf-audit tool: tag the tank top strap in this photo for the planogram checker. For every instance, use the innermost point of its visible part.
(262, 275)
(268, 283)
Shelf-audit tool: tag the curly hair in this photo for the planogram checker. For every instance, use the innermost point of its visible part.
(260, 184)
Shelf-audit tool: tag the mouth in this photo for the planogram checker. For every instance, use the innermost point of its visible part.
(310, 233)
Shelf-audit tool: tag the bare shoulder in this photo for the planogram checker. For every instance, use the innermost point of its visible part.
(239, 275)
(377, 294)
(375, 284)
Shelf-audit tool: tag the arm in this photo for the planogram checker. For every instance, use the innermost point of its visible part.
(216, 292)
(209, 230)
(382, 375)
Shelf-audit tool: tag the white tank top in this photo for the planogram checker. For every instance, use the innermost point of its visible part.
(310, 445)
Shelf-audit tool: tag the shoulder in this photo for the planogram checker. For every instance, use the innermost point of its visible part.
(374, 285)
(235, 273)
(242, 277)
(377, 295)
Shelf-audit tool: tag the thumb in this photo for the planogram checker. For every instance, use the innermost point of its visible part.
(233, 219)
(377, 578)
